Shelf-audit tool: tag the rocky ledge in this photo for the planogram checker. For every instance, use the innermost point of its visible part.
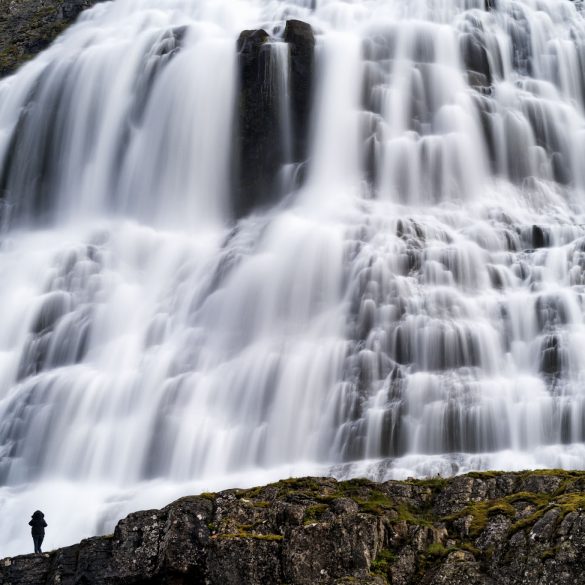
(29, 26)
(481, 528)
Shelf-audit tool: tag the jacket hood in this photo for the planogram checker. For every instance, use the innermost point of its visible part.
(38, 514)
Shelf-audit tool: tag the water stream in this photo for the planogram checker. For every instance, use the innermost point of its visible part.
(414, 308)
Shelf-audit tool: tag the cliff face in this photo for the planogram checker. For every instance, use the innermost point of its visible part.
(29, 26)
(483, 529)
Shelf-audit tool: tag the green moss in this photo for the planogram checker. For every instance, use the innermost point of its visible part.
(314, 513)
(503, 507)
(527, 521)
(250, 494)
(482, 511)
(406, 515)
(435, 483)
(208, 496)
(437, 550)
(328, 498)
(539, 499)
(467, 546)
(319, 493)
(550, 553)
(434, 553)
(354, 487)
(382, 563)
(300, 484)
(250, 536)
(375, 503)
(570, 502)
(566, 503)
(478, 513)
(484, 474)
(563, 473)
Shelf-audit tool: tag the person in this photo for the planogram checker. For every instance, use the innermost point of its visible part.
(38, 529)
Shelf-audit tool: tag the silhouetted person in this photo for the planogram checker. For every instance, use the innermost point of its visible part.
(38, 529)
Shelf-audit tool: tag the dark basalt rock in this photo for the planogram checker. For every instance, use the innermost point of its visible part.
(540, 237)
(301, 39)
(482, 528)
(250, 41)
(259, 151)
(475, 57)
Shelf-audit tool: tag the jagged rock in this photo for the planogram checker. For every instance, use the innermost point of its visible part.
(480, 529)
(551, 362)
(29, 26)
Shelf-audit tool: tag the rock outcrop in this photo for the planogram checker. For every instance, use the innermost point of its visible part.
(261, 131)
(301, 39)
(29, 26)
(479, 529)
(259, 149)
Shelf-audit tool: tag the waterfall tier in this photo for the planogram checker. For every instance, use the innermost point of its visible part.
(243, 239)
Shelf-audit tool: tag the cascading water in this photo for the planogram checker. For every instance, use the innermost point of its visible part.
(407, 301)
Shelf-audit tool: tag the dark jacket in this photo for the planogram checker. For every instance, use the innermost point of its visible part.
(38, 523)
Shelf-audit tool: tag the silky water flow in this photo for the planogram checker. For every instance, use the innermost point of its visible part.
(412, 306)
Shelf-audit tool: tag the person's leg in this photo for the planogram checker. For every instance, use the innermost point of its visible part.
(41, 538)
(36, 543)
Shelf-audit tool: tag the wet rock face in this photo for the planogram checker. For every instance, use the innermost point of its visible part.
(259, 152)
(301, 39)
(482, 529)
(29, 26)
(475, 57)
(261, 149)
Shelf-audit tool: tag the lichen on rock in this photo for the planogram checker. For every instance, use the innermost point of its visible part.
(482, 529)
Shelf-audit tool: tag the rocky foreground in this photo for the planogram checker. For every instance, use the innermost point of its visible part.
(484, 528)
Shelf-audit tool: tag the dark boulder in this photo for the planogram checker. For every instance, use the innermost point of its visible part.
(476, 60)
(301, 39)
(540, 237)
(250, 42)
(259, 151)
(551, 362)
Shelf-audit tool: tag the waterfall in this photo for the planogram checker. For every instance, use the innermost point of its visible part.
(232, 252)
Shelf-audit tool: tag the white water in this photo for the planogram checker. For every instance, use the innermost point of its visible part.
(408, 324)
